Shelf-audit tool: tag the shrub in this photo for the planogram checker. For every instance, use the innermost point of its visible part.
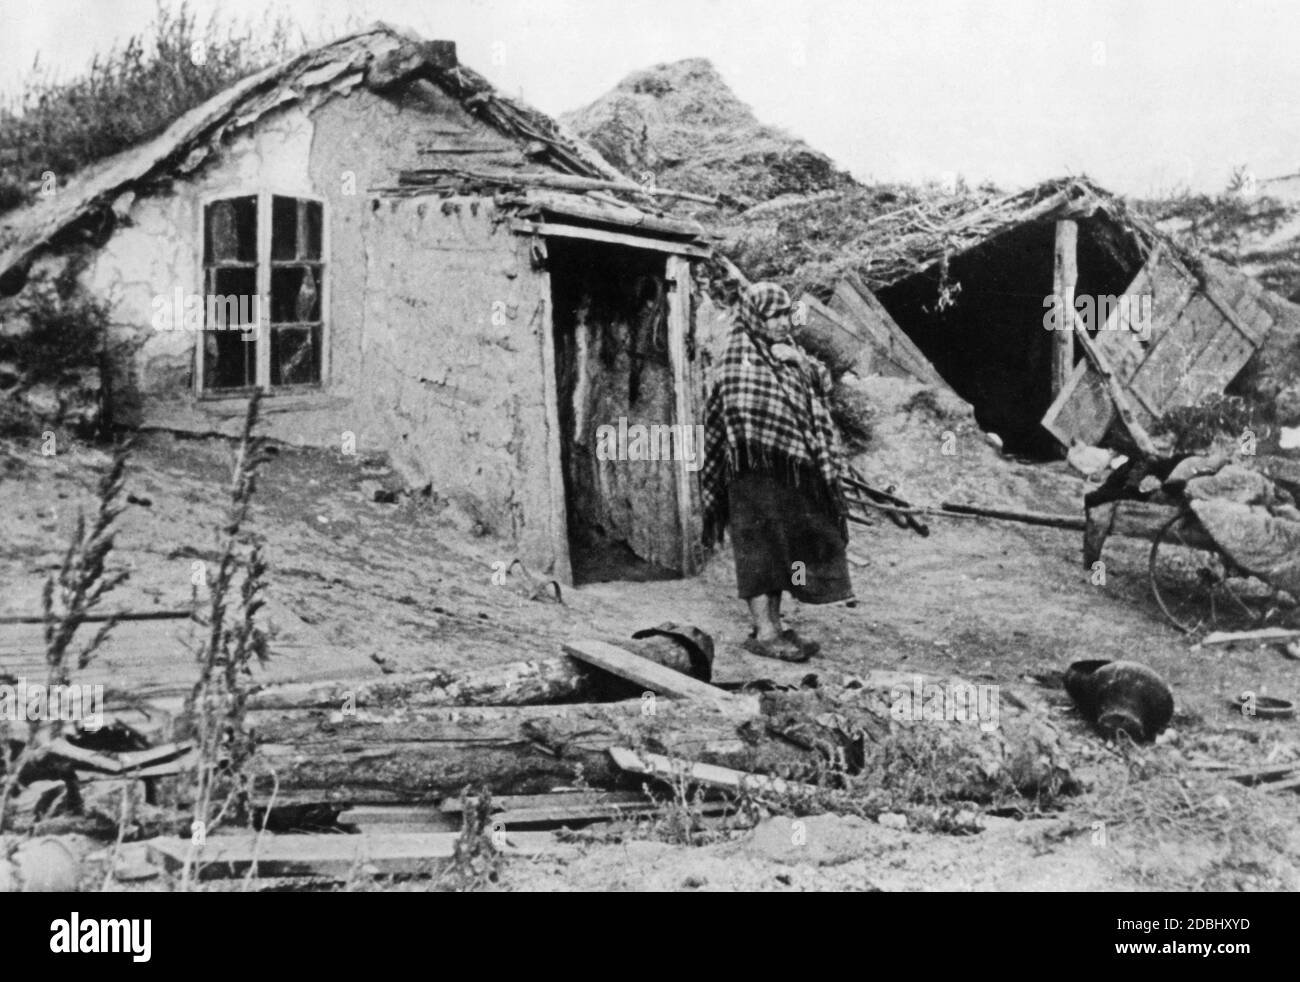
(127, 95)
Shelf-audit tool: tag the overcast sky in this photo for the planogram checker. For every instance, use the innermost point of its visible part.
(1143, 95)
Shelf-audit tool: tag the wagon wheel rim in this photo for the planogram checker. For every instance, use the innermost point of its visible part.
(1169, 606)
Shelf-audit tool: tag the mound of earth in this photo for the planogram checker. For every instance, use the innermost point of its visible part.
(682, 123)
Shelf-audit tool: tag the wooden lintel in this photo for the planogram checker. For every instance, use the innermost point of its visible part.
(561, 230)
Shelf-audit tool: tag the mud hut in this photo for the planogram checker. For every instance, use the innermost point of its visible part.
(406, 263)
(984, 290)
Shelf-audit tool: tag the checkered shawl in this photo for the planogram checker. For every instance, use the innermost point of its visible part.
(768, 416)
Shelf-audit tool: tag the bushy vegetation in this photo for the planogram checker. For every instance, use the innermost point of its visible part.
(127, 95)
(1215, 418)
(67, 332)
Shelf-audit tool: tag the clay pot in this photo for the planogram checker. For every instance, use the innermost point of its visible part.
(1120, 696)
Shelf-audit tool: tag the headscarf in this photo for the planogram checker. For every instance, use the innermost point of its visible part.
(757, 304)
(768, 415)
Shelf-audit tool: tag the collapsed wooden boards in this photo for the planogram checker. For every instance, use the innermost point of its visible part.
(335, 856)
(674, 769)
(858, 305)
(658, 678)
(1197, 345)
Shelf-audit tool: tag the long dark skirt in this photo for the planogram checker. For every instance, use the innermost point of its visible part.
(774, 527)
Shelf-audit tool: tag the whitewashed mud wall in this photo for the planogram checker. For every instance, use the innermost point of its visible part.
(451, 365)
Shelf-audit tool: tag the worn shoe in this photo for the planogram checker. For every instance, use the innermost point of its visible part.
(810, 647)
(780, 648)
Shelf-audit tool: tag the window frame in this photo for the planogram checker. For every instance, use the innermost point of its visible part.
(264, 198)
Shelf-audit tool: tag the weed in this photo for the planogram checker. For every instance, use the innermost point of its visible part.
(216, 705)
(66, 601)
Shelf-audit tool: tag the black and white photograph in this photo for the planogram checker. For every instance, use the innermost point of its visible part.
(539, 446)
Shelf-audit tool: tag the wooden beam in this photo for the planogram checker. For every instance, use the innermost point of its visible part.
(657, 678)
(336, 856)
(1064, 278)
(1266, 634)
(560, 230)
(678, 271)
(544, 317)
(674, 768)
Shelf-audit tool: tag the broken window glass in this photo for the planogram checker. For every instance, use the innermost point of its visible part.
(289, 351)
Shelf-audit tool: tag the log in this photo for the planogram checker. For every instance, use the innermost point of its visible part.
(523, 683)
(646, 674)
(414, 756)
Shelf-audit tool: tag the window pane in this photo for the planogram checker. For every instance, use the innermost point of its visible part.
(311, 226)
(232, 297)
(284, 228)
(295, 355)
(229, 362)
(231, 230)
(295, 294)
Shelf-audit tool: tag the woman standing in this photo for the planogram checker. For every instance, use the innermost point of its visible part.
(772, 472)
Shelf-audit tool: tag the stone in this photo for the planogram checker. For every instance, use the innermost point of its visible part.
(43, 401)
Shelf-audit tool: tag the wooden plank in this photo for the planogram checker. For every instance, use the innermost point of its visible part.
(1064, 277)
(634, 668)
(560, 230)
(852, 300)
(559, 521)
(678, 272)
(1266, 634)
(1117, 395)
(675, 769)
(1255, 775)
(335, 856)
(1082, 410)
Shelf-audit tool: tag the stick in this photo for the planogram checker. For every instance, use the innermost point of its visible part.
(126, 615)
(563, 182)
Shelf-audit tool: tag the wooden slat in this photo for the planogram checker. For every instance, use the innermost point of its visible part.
(674, 769)
(336, 856)
(1082, 410)
(678, 271)
(858, 304)
(642, 671)
(559, 230)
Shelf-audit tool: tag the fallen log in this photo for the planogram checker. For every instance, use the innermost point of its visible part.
(412, 756)
(521, 683)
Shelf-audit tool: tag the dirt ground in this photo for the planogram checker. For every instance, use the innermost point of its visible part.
(360, 588)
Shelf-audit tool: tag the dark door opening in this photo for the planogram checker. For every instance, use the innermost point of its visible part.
(614, 385)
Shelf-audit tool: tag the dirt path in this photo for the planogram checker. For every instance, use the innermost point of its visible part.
(363, 588)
